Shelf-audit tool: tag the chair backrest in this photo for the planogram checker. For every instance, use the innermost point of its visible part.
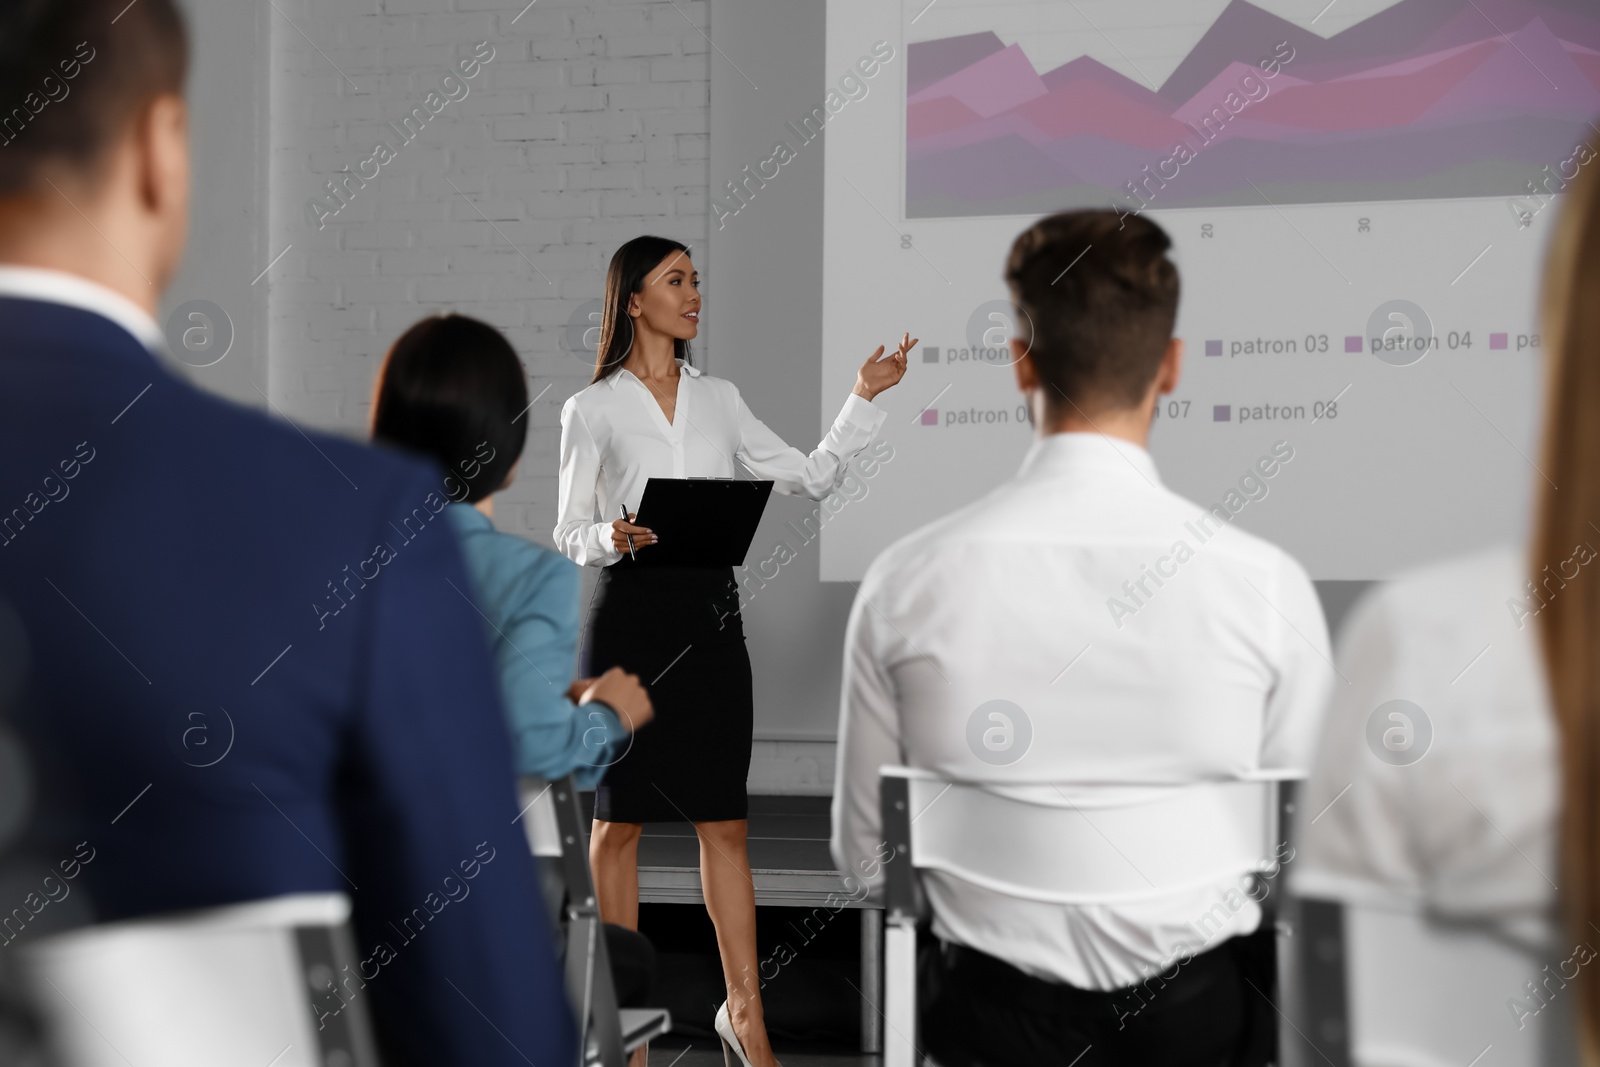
(1100, 845)
(539, 817)
(1418, 990)
(235, 984)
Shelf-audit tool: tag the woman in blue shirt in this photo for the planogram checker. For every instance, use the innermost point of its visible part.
(453, 389)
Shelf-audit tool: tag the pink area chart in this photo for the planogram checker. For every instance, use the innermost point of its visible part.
(1430, 99)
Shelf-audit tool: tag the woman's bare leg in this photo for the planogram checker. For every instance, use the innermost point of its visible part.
(614, 864)
(731, 900)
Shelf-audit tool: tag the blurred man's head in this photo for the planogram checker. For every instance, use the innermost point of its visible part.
(94, 167)
(1097, 298)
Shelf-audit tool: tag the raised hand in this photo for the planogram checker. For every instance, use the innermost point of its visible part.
(878, 373)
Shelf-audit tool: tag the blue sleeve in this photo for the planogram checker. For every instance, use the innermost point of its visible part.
(552, 737)
(607, 741)
(451, 934)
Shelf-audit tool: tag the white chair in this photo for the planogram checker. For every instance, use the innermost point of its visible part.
(233, 985)
(1389, 985)
(1112, 844)
(553, 823)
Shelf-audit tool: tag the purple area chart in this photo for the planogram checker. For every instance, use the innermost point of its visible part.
(1430, 99)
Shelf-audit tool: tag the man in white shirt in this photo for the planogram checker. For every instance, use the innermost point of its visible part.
(1137, 638)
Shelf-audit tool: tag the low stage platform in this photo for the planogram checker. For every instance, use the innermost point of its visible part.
(790, 867)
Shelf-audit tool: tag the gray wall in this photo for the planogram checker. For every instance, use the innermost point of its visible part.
(228, 112)
(764, 318)
(586, 128)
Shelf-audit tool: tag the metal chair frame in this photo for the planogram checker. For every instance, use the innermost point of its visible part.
(608, 1033)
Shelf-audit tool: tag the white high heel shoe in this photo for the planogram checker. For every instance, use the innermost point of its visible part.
(730, 1041)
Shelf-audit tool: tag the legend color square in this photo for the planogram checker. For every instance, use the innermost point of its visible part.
(930, 417)
(1213, 348)
(930, 353)
(1352, 344)
(1498, 340)
(1222, 413)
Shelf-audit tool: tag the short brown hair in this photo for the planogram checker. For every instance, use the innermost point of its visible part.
(73, 73)
(1097, 298)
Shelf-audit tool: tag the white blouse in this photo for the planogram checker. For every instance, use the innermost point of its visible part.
(615, 438)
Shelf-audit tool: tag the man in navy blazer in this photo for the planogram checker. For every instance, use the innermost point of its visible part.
(254, 667)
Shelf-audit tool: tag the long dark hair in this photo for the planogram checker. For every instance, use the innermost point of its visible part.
(452, 388)
(1569, 625)
(630, 265)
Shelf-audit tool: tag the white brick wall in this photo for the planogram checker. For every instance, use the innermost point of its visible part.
(588, 127)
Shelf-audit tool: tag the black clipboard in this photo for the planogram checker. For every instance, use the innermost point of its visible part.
(702, 522)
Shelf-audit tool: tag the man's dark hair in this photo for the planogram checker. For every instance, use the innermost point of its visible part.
(74, 73)
(1097, 298)
(452, 388)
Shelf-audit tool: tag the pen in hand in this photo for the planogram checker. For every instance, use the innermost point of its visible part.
(631, 555)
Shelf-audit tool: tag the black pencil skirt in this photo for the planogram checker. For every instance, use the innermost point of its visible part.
(679, 630)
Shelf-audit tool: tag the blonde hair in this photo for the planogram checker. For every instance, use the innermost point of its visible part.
(1568, 516)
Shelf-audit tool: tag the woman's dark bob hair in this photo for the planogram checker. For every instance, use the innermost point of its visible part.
(630, 266)
(452, 388)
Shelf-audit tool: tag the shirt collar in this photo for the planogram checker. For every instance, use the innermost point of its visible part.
(612, 379)
(72, 290)
(1061, 454)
